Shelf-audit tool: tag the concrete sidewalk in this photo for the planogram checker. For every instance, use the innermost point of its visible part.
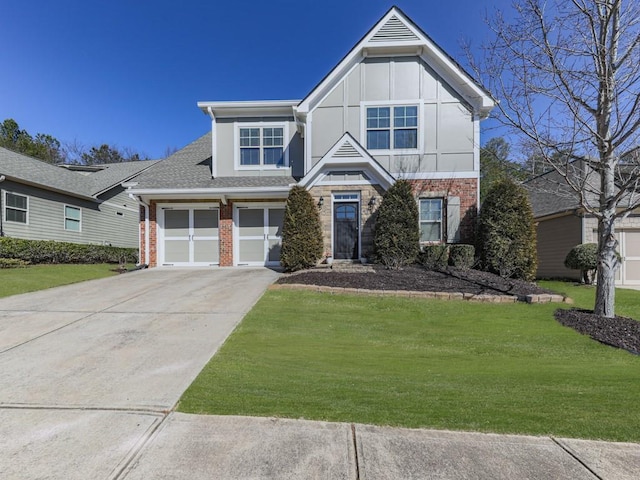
(227, 447)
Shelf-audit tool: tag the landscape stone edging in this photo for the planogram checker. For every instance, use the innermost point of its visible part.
(484, 298)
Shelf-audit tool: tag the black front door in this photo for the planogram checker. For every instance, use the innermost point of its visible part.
(345, 230)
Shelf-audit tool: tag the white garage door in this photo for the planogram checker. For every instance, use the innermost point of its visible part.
(630, 251)
(190, 236)
(258, 234)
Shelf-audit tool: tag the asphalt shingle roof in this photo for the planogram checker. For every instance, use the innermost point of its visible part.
(190, 167)
(23, 168)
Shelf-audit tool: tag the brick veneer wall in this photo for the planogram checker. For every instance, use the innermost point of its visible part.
(466, 189)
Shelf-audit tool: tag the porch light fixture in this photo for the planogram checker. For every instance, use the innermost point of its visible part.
(320, 202)
(372, 203)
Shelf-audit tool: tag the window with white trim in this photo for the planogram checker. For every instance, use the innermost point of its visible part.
(392, 127)
(72, 218)
(16, 208)
(262, 146)
(431, 219)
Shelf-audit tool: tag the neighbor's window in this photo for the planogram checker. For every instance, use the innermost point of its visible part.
(398, 131)
(72, 218)
(16, 207)
(262, 146)
(431, 219)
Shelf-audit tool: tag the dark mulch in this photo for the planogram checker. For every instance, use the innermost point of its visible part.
(418, 279)
(619, 332)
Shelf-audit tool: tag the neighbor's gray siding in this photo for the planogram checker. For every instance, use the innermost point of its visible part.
(556, 237)
(446, 123)
(226, 148)
(100, 223)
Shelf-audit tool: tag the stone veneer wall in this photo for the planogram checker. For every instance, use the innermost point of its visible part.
(367, 216)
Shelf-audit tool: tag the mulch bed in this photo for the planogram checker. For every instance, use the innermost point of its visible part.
(619, 332)
(415, 278)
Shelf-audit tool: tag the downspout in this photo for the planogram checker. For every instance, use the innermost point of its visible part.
(2, 178)
(139, 200)
(214, 163)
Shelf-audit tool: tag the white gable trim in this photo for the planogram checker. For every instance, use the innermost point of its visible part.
(395, 34)
(348, 154)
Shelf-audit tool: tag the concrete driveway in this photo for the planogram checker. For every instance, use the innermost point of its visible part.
(89, 371)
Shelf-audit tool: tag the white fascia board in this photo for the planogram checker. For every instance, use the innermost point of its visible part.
(249, 108)
(438, 175)
(199, 192)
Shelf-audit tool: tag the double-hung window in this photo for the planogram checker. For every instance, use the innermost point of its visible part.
(72, 218)
(262, 146)
(431, 220)
(16, 207)
(393, 127)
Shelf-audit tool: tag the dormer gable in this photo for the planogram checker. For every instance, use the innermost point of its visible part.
(397, 34)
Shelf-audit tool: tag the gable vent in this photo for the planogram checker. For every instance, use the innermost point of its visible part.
(347, 150)
(394, 30)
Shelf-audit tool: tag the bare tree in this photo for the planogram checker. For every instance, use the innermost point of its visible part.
(567, 74)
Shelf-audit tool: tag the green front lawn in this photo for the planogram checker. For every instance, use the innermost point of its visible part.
(423, 363)
(39, 277)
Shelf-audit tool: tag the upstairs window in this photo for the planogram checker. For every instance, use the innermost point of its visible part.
(16, 207)
(72, 218)
(431, 220)
(262, 146)
(392, 127)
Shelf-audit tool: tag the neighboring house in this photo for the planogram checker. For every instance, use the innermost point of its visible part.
(396, 106)
(68, 203)
(562, 223)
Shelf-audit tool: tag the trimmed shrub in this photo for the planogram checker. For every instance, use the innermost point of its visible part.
(434, 257)
(13, 263)
(49, 251)
(506, 232)
(583, 257)
(461, 255)
(301, 232)
(397, 234)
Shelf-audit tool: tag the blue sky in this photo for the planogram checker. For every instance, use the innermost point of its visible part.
(129, 73)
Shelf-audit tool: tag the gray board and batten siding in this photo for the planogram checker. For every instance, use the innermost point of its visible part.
(446, 126)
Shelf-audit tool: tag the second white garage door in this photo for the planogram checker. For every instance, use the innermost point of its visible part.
(258, 234)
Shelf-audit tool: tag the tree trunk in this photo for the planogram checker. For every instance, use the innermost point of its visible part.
(607, 265)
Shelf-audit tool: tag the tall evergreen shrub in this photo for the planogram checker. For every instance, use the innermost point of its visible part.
(397, 232)
(301, 233)
(506, 232)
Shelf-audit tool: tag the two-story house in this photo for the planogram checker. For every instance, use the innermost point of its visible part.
(396, 106)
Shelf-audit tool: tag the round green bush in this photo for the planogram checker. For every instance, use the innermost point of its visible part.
(301, 232)
(583, 257)
(434, 257)
(461, 255)
(397, 234)
(506, 232)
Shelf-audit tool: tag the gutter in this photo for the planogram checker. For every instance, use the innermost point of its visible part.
(141, 202)
(211, 191)
(2, 179)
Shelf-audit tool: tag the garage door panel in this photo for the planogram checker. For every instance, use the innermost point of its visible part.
(251, 222)
(176, 223)
(632, 244)
(176, 251)
(251, 251)
(206, 251)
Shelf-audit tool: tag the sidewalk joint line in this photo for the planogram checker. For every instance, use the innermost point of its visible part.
(575, 457)
(355, 450)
